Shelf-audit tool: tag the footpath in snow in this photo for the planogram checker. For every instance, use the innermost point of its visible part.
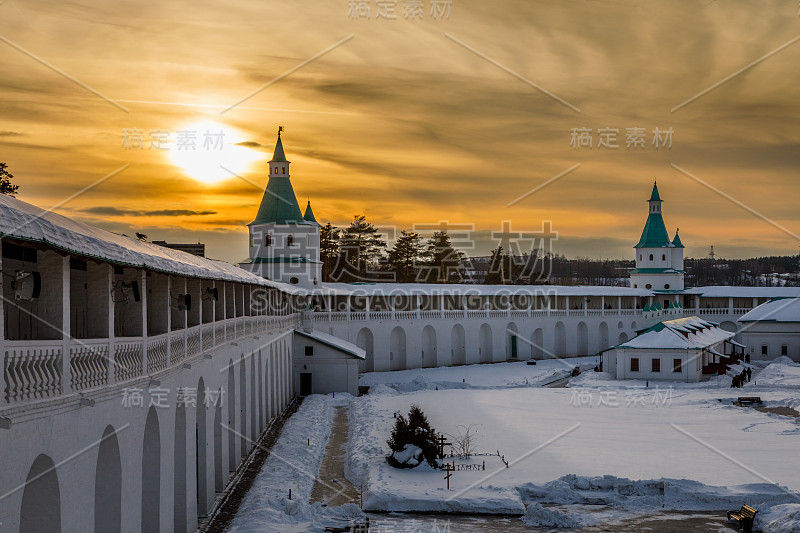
(294, 463)
(621, 447)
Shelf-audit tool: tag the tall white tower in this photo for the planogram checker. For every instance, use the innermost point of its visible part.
(284, 244)
(659, 261)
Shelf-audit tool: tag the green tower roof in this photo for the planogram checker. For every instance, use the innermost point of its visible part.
(279, 204)
(676, 242)
(278, 154)
(309, 214)
(654, 197)
(655, 233)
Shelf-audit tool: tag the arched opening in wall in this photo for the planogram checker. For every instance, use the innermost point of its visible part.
(253, 398)
(397, 349)
(41, 499)
(511, 341)
(603, 336)
(108, 485)
(179, 465)
(231, 429)
(583, 339)
(364, 340)
(458, 345)
(537, 344)
(620, 325)
(243, 405)
(428, 347)
(623, 337)
(202, 450)
(151, 474)
(219, 480)
(633, 326)
(485, 343)
(560, 345)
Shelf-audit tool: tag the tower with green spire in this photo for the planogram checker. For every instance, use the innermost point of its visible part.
(659, 260)
(284, 243)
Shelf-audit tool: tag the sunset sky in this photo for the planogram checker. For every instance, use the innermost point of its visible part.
(410, 121)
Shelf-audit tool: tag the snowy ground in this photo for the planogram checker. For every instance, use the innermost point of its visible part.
(293, 463)
(613, 444)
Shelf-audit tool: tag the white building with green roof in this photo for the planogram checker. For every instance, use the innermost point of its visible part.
(659, 260)
(284, 243)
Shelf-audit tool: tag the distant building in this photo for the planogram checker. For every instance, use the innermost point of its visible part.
(284, 243)
(659, 261)
(681, 349)
(773, 329)
(198, 249)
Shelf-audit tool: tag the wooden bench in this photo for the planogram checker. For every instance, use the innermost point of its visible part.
(744, 401)
(745, 517)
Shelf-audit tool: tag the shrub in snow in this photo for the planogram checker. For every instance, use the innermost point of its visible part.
(412, 441)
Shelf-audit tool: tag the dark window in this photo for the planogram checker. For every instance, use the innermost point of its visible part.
(656, 364)
(293, 280)
(666, 285)
(20, 253)
(268, 239)
(289, 240)
(663, 257)
(763, 349)
(784, 350)
(309, 350)
(648, 286)
(677, 366)
(651, 257)
(634, 364)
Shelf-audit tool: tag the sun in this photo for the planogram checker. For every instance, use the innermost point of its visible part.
(210, 152)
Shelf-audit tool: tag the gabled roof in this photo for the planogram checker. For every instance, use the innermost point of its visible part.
(680, 333)
(775, 310)
(336, 343)
(308, 216)
(654, 197)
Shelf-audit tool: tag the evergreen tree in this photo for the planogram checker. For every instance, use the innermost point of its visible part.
(495, 274)
(6, 187)
(444, 260)
(360, 250)
(415, 431)
(404, 258)
(328, 249)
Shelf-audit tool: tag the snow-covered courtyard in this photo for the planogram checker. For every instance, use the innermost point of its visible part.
(592, 453)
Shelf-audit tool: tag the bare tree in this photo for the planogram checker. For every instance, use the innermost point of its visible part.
(464, 442)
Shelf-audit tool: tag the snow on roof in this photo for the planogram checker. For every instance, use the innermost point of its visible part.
(334, 342)
(744, 292)
(777, 310)
(388, 289)
(23, 221)
(681, 333)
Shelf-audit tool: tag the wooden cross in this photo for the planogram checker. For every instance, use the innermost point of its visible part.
(442, 443)
(280, 129)
(449, 469)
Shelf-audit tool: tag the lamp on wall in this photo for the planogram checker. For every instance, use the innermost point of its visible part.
(182, 302)
(26, 285)
(125, 292)
(211, 293)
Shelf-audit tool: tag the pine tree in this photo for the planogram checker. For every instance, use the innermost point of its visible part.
(361, 248)
(416, 431)
(444, 260)
(494, 276)
(404, 258)
(328, 249)
(6, 187)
